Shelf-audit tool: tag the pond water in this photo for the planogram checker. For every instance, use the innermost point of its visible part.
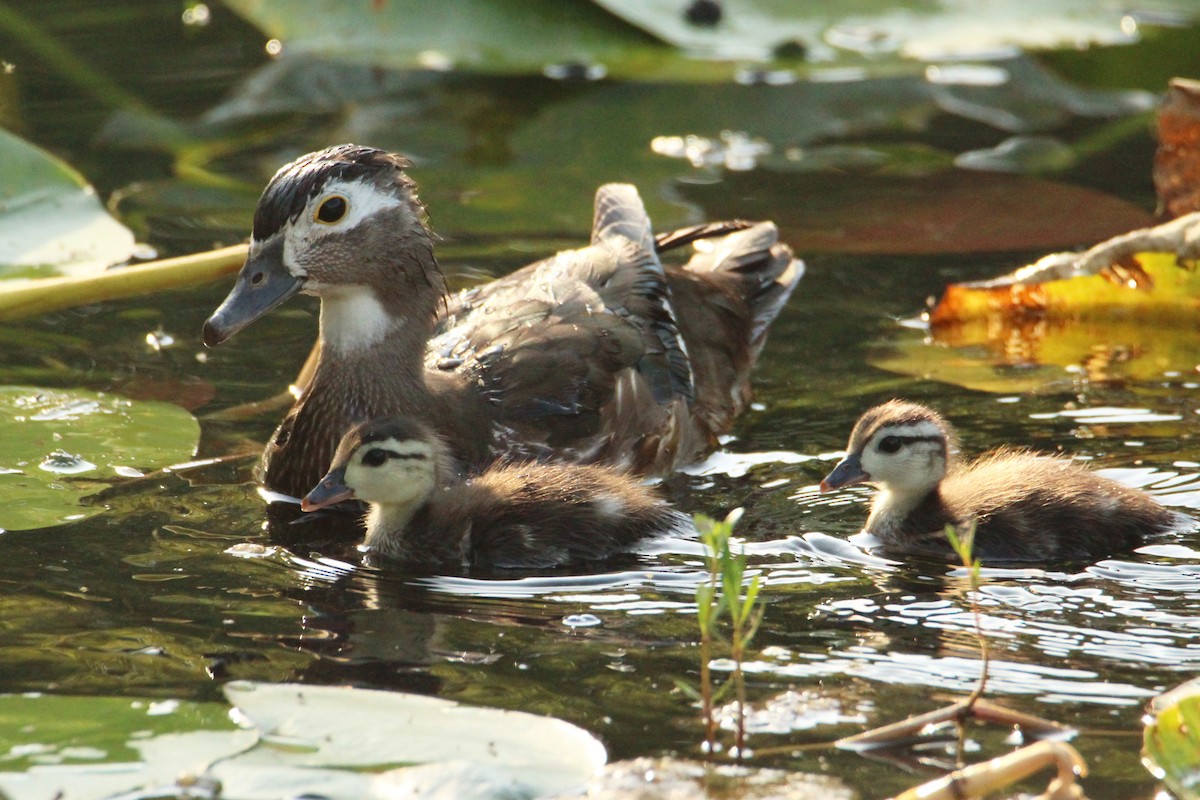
(179, 584)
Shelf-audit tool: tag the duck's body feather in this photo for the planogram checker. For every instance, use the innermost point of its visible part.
(599, 354)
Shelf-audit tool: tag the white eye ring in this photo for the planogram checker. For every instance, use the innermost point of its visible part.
(333, 209)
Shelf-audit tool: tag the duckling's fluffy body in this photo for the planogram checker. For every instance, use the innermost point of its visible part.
(1026, 506)
(526, 515)
(599, 354)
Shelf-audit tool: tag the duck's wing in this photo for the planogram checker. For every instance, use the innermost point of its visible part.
(579, 350)
(726, 297)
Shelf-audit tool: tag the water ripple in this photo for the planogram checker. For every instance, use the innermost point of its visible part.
(955, 674)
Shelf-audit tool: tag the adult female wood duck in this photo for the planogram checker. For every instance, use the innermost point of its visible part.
(529, 515)
(596, 354)
(1026, 506)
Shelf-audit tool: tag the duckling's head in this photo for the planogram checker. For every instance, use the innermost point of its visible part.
(344, 224)
(904, 448)
(391, 462)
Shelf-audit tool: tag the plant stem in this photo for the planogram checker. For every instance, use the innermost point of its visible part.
(52, 294)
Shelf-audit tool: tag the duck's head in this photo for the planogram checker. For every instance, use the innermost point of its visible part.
(902, 447)
(343, 223)
(391, 461)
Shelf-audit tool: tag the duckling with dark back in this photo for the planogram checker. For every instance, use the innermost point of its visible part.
(1025, 506)
(580, 357)
(525, 515)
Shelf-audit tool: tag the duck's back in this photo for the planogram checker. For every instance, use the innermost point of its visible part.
(540, 516)
(1040, 508)
(602, 354)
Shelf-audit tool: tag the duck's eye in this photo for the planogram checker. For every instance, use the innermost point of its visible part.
(375, 457)
(890, 444)
(332, 210)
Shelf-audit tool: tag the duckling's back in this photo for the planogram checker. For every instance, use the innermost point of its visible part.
(1032, 507)
(537, 516)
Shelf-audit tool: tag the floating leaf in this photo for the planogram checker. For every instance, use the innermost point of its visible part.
(77, 748)
(492, 35)
(755, 29)
(1125, 308)
(334, 742)
(60, 446)
(935, 211)
(51, 222)
(528, 35)
(1049, 335)
(330, 726)
(1171, 740)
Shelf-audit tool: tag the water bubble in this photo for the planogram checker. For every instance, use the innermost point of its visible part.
(575, 71)
(72, 409)
(64, 463)
(581, 620)
(197, 15)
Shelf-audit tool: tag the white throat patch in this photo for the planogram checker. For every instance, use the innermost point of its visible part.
(352, 318)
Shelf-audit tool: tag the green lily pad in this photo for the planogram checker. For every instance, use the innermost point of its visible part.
(753, 29)
(60, 446)
(1171, 741)
(335, 742)
(656, 39)
(508, 36)
(51, 221)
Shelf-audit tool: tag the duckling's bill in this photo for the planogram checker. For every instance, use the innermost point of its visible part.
(262, 284)
(847, 472)
(332, 489)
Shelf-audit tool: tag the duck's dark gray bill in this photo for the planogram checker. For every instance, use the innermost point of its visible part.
(332, 489)
(263, 283)
(848, 471)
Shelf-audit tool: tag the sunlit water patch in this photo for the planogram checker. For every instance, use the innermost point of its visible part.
(953, 673)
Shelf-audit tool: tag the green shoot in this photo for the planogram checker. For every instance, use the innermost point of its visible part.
(964, 547)
(724, 598)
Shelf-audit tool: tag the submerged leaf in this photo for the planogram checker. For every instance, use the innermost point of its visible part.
(51, 222)
(61, 446)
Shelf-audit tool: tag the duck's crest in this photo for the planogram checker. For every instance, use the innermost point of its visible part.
(296, 183)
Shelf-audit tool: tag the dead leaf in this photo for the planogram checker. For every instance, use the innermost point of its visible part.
(1177, 162)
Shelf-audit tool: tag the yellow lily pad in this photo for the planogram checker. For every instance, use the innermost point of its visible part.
(1005, 336)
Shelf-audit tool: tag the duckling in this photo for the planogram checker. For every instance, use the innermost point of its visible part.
(593, 355)
(529, 515)
(1026, 506)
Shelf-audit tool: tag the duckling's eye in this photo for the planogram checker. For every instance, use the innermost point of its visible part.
(332, 210)
(375, 457)
(890, 444)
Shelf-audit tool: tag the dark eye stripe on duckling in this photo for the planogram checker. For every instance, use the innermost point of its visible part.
(892, 443)
(377, 456)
